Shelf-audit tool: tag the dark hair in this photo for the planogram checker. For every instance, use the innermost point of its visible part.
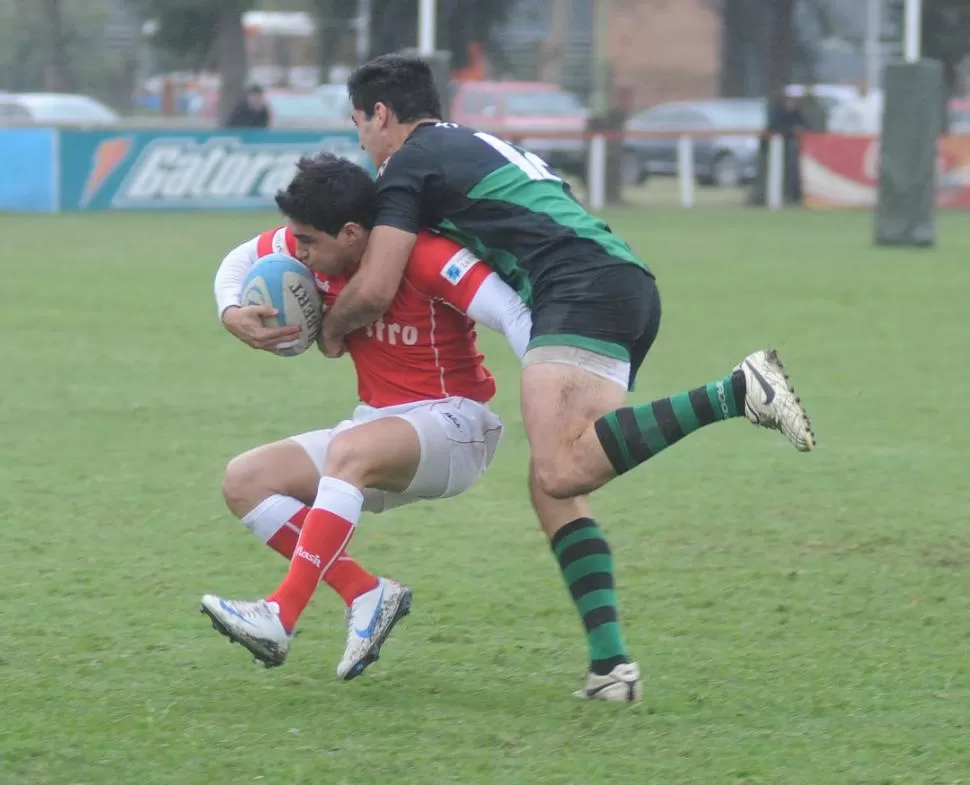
(403, 83)
(328, 192)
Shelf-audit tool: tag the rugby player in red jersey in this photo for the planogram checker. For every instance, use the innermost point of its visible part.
(423, 429)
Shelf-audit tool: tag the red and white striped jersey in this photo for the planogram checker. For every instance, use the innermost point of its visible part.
(423, 348)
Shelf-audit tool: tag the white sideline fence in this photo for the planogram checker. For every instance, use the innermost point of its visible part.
(686, 179)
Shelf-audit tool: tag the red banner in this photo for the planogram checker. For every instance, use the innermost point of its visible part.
(840, 172)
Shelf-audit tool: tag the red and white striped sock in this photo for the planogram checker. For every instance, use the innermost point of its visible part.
(323, 538)
(278, 520)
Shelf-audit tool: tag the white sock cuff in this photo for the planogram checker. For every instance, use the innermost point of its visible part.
(271, 515)
(339, 497)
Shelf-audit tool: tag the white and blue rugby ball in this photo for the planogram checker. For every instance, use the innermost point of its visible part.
(288, 286)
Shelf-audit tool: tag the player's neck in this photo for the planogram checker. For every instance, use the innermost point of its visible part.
(409, 128)
(399, 133)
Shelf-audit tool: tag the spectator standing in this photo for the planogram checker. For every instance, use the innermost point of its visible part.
(251, 111)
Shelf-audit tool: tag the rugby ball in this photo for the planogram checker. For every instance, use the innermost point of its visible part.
(288, 286)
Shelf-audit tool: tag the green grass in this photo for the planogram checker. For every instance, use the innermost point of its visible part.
(800, 619)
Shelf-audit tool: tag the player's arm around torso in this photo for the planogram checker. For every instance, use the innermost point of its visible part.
(420, 362)
(456, 277)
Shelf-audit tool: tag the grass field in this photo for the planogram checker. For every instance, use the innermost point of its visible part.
(799, 619)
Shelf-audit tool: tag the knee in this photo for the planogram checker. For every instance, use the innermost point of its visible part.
(552, 479)
(242, 485)
(347, 461)
(555, 513)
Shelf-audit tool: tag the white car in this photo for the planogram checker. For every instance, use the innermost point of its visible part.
(829, 94)
(832, 96)
(861, 116)
(337, 101)
(53, 109)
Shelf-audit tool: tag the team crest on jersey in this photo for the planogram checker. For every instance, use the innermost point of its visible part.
(457, 266)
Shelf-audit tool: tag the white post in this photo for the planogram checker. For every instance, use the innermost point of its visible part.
(363, 30)
(685, 170)
(427, 15)
(776, 171)
(912, 30)
(596, 172)
(873, 43)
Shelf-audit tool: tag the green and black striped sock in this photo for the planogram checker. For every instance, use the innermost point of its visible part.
(587, 566)
(634, 434)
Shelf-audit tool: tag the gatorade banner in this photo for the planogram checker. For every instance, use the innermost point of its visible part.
(842, 171)
(153, 170)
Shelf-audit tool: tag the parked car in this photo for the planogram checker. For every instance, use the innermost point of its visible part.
(520, 112)
(724, 161)
(297, 109)
(864, 115)
(830, 95)
(327, 107)
(337, 100)
(53, 109)
(861, 115)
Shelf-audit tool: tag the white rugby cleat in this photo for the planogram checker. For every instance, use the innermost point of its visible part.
(770, 401)
(622, 684)
(370, 619)
(254, 625)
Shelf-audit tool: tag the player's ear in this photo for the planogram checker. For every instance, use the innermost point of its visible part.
(353, 233)
(382, 115)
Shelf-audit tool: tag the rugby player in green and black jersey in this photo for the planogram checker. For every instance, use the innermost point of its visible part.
(595, 314)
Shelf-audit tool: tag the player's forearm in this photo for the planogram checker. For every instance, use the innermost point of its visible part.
(231, 274)
(370, 291)
(497, 306)
(355, 307)
(517, 328)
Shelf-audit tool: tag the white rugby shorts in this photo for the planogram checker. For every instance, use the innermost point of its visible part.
(458, 439)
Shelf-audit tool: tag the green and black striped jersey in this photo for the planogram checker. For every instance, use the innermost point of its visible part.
(501, 202)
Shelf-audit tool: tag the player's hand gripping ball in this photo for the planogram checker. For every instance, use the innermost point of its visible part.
(287, 285)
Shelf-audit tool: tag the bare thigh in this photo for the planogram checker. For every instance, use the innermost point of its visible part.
(281, 467)
(382, 454)
(560, 404)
